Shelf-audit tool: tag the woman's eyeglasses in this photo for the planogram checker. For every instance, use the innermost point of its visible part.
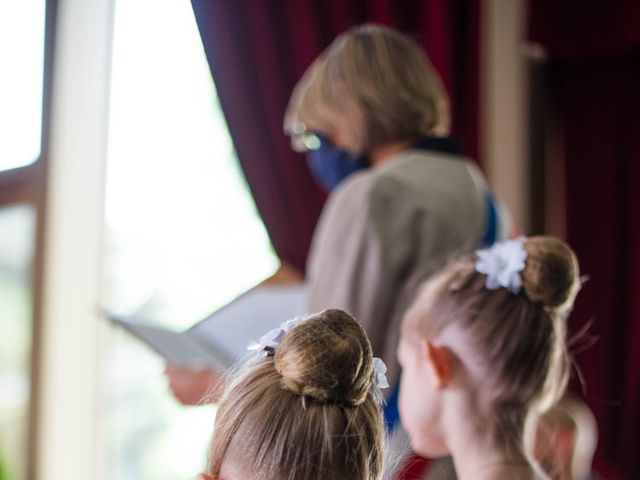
(303, 140)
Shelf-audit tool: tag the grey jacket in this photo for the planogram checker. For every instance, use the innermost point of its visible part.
(384, 230)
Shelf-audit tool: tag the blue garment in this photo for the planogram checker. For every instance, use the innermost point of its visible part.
(330, 164)
(391, 412)
(493, 222)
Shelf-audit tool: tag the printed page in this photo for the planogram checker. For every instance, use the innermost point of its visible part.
(221, 339)
(231, 329)
(178, 348)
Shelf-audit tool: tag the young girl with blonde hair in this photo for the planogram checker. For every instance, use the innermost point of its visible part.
(306, 408)
(483, 351)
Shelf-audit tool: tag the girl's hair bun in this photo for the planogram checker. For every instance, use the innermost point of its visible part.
(551, 276)
(326, 357)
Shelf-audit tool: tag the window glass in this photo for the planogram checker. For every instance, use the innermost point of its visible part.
(17, 235)
(21, 63)
(182, 235)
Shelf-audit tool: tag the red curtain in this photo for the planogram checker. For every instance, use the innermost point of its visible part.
(258, 49)
(594, 55)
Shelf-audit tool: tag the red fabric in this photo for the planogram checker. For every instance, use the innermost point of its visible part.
(415, 468)
(251, 64)
(585, 29)
(258, 49)
(595, 81)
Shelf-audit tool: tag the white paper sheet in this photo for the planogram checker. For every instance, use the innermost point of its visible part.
(221, 339)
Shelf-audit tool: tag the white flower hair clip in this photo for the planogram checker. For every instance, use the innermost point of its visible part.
(379, 379)
(502, 264)
(267, 343)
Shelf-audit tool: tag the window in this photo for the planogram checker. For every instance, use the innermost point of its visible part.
(17, 238)
(21, 60)
(22, 52)
(182, 235)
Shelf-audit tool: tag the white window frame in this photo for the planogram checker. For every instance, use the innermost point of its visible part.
(69, 331)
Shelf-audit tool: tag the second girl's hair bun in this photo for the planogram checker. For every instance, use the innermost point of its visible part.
(326, 357)
(551, 276)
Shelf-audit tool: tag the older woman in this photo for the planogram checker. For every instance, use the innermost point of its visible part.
(372, 114)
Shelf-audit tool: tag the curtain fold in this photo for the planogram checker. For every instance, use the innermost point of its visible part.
(258, 49)
(594, 54)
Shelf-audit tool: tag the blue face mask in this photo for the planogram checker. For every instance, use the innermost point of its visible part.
(330, 165)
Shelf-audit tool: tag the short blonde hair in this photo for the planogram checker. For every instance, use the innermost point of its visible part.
(308, 412)
(377, 84)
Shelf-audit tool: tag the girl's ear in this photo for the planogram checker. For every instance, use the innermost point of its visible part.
(440, 359)
(205, 476)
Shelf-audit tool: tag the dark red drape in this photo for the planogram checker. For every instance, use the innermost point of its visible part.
(258, 49)
(594, 50)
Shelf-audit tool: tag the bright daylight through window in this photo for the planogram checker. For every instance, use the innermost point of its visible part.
(17, 238)
(22, 27)
(22, 63)
(182, 235)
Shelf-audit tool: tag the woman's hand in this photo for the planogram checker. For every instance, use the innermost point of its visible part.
(287, 273)
(198, 387)
(194, 387)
